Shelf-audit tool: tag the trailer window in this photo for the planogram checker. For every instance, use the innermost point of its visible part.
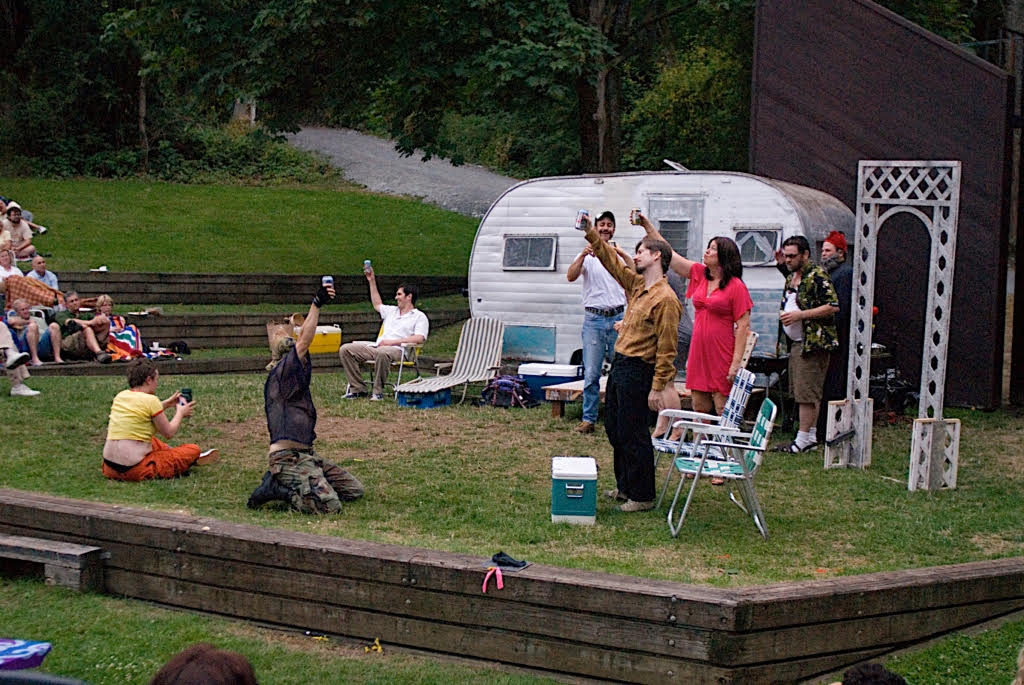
(529, 253)
(757, 244)
(677, 233)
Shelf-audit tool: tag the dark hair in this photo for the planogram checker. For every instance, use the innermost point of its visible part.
(871, 674)
(204, 664)
(729, 260)
(654, 245)
(140, 370)
(800, 242)
(605, 215)
(410, 289)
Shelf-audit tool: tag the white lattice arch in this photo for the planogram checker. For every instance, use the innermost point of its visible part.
(930, 191)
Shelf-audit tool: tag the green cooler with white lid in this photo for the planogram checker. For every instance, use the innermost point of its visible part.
(574, 490)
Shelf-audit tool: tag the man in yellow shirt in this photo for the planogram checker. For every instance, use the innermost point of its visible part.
(132, 451)
(642, 372)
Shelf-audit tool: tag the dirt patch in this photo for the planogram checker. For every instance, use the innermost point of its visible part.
(997, 545)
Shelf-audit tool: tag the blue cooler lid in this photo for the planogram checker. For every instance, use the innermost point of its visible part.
(581, 468)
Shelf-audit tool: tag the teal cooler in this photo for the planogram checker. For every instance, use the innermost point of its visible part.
(574, 490)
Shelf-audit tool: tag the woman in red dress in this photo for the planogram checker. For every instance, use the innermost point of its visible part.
(721, 322)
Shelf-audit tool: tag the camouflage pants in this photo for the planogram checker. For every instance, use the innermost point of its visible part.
(317, 486)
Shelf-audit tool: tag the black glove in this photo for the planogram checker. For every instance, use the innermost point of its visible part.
(322, 297)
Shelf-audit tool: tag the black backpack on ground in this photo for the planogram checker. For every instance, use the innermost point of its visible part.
(508, 391)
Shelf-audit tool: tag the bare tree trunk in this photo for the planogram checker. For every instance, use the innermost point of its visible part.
(143, 135)
(599, 95)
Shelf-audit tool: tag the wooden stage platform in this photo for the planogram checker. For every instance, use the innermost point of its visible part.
(568, 623)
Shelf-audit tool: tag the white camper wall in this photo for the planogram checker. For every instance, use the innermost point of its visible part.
(542, 311)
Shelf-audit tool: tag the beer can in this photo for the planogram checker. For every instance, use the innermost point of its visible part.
(634, 216)
(366, 266)
(326, 281)
(580, 216)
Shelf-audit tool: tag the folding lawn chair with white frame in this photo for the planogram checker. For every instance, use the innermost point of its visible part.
(731, 417)
(736, 457)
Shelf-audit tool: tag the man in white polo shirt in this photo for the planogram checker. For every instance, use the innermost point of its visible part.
(401, 324)
(604, 300)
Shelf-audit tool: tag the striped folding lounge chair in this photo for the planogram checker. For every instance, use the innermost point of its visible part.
(739, 459)
(477, 359)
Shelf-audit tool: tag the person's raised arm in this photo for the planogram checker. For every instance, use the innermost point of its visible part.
(374, 293)
(308, 329)
(608, 257)
(576, 268)
(680, 264)
(169, 427)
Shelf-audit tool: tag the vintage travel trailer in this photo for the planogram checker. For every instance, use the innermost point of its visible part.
(527, 239)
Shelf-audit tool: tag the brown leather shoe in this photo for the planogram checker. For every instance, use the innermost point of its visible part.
(585, 427)
(632, 505)
(615, 494)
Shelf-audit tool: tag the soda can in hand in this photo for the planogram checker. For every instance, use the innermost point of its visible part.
(367, 266)
(580, 216)
(326, 281)
(634, 216)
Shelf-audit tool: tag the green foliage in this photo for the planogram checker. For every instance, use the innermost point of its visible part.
(695, 113)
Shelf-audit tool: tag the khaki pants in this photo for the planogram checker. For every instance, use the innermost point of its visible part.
(353, 354)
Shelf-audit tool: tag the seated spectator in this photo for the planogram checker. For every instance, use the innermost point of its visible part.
(40, 273)
(79, 335)
(124, 340)
(25, 215)
(24, 330)
(204, 664)
(400, 324)
(14, 365)
(871, 674)
(21, 232)
(132, 451)
(7, 268)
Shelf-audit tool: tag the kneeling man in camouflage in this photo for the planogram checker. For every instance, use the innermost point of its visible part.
(297, 475)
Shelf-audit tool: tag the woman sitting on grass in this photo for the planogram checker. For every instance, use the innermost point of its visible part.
(132, 451)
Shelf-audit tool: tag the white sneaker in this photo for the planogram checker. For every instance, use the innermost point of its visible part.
(23, 390)
(16, 360)
(376, 397)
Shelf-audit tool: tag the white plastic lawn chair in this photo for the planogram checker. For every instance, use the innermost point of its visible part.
(735, 457)
(731, 417)
(477, 360)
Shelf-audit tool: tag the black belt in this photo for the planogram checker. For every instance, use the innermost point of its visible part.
(614, 311)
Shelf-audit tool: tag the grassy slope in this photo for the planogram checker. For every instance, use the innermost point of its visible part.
(144, 226)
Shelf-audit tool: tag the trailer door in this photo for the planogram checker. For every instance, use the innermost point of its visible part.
(680, 219)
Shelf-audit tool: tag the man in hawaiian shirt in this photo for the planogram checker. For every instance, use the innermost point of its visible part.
(808, 311)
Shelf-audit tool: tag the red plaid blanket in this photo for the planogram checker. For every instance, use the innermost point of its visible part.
(35, 292)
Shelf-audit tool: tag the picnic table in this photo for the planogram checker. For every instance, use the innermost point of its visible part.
(572, 391)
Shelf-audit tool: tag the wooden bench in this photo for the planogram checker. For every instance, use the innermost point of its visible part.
(193, 288)
(572, 391)
(79, 567)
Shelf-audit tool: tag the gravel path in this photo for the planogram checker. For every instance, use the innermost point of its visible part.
(374, 163)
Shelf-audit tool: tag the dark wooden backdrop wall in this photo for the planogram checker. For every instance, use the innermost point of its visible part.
(838, 81)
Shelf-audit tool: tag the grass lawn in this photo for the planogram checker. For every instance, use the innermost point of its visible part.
(476, 480)
(149, 226)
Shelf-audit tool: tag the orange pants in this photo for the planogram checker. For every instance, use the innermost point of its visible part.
(163, 462)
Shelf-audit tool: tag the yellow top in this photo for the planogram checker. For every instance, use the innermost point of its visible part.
(131, 416)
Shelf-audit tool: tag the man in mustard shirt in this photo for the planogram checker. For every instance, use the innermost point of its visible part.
(642, 372)
(132, 451)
